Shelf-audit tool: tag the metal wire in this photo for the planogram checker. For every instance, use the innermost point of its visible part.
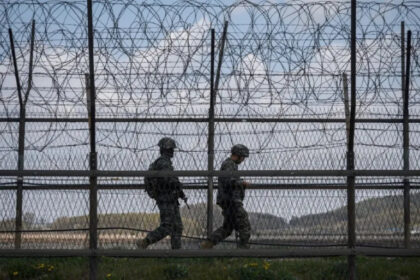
(282, 61)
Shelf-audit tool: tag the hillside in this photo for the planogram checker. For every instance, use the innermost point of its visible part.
(384, 214)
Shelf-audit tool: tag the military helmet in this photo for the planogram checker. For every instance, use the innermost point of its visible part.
(240, 150)
(167, 143)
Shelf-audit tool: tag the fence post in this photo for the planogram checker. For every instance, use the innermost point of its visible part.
(351, 211)
(21, 140)
(346, 104)
(402, 60)
(214, 85)
(219, 64)
(21, 150)
(93, 200)
(210, 142)
(406, 144)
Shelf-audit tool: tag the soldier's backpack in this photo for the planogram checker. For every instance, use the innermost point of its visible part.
(151, 184)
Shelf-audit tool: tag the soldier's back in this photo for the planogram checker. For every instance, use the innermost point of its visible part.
(224, 186)
(162, 163)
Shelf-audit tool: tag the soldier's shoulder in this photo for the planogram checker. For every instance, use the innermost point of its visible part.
(163, 162)
(227, 161)
(228, 164)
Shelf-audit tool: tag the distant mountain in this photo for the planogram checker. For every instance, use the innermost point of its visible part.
(259, 221)
(383, 214)
(374, 214)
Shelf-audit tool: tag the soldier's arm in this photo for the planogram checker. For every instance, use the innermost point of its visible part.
(236, 183)
(237, 190)
(177, 185)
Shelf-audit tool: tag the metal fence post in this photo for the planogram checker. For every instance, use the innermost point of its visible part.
(214, 85)
(219, 64)
(406, 144)
(21, 149)
(346, 105)
(210, 142)
(93, 199)
(21, 141)
(402, 60)
(351, 211)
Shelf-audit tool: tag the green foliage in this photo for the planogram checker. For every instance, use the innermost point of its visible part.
(210, 268)
(51, 268)
(253, 271)
(331, 271)
(175, 271)
(388, 268)
(262, 270)
(392, 277)
(20, 271)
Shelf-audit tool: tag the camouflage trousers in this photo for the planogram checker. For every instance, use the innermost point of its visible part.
(235, 218)
(170, 224)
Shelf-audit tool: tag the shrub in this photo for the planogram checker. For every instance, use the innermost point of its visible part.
(176, 271)
(261, 271)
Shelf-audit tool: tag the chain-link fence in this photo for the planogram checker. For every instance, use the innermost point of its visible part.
(271, 76)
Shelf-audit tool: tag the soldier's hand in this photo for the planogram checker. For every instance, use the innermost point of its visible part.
(245, 184)
(186, 201)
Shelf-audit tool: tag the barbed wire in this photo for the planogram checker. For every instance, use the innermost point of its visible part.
(152, 59)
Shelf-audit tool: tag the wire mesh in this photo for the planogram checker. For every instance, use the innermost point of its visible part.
(283, 212)
(8, 214)
(281, 60)
(281, 93)
(415, 222)
(279, 78)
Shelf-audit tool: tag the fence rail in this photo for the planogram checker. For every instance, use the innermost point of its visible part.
(85, 99)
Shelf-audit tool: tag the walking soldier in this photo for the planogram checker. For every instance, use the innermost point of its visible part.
(230, 196)
(166, 191)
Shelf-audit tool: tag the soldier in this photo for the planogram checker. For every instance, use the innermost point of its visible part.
(166, 193)
(230, 194)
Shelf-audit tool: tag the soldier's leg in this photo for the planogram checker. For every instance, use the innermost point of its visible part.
(177, 228)
(227, 227)
(243, 226)
(166, 223)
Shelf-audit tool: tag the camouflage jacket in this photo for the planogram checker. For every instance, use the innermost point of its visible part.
(230, 188)
(170, 188)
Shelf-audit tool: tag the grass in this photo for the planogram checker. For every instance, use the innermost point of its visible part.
(216, 268)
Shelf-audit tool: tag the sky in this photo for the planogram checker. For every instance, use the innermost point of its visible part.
(282, 59)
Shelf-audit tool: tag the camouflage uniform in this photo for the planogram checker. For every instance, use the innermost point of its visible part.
(170, 189)
(230, 195)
